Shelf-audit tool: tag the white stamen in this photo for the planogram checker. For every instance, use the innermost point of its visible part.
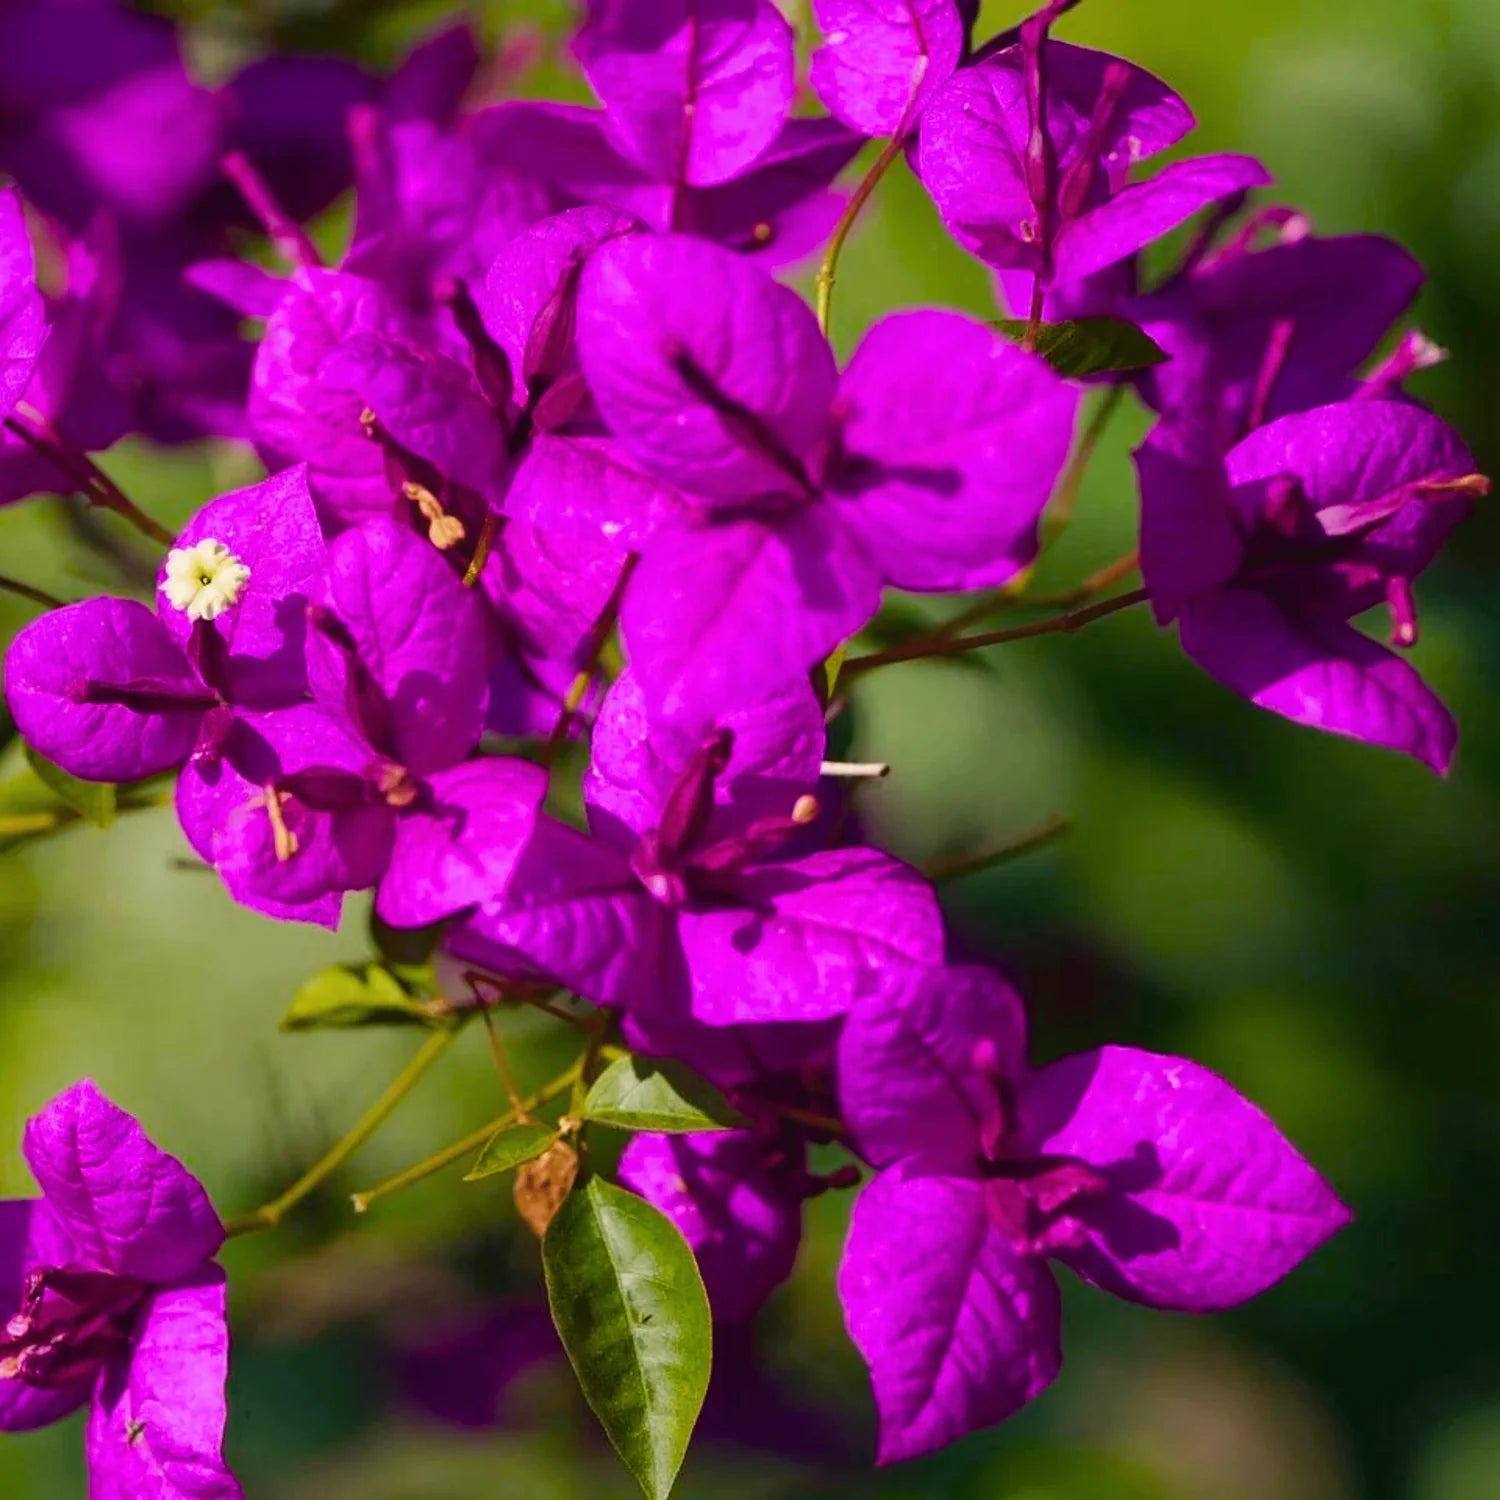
(856, 770)
(204, 580)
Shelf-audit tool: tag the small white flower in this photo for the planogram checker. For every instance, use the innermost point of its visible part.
(204, 580)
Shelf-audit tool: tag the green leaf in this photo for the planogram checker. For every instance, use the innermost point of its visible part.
(91, 800)
(630, 1307)
(511, 1147)
(405, 947)
(826, 676)
(350, 995)
(637, 1093)
(1093, 346)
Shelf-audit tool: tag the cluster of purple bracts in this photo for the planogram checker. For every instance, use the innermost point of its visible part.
(554, 384)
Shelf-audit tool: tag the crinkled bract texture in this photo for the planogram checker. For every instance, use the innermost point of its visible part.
(958, 1330)
(780, 208)
(955, 441)
(156, 1425)
(1209, 1203)
(116, 1261)
(806, 940)
(712, 375)
(694, 90)
(1148, 1175)
(125, 1205)
(370, 784)
(22, 316)
(927, 465)
(52, 660)
(715, 616)
(417, 639)
(294, 417)
(700, 898)
(111, 692)
(465, 845)
(637, 757)
(882, 60)
(1102, 116)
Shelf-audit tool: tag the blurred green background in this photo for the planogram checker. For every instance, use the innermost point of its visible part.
(1314, 919)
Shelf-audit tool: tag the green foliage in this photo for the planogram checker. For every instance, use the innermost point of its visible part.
(352, 995)
(1092, 346)
(510, 1148)
(405, 947)
(94, 801)
(637, 1093)
(631, 1311)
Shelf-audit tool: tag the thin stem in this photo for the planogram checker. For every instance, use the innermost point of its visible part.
(599, 1030)
(271, 1214)
(1023, 843)
(1060, 512)
(460, 1149)
(1064, 624)
(537, 1002)
(105, 541)
(483, 547)
(54, 820)
(1033, 334)
(477, 978)
(502, 1065)
(112, 497)
(26, 591)
(593, 651)
(289, 237)
(21, 825)
(1098, 582)
(829, 270)
(810, 1119)
(93, 483)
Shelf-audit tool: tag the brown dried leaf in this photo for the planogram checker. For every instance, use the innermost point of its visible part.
(543, 1185)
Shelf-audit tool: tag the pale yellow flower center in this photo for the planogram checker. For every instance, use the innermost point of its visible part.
(204, 580)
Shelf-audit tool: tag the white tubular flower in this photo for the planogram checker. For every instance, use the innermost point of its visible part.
(204, 580)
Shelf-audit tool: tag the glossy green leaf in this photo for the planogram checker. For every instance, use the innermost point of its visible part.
(349, 995)
(1092, 346)
(637, 1093)
(630, 1307)
(510, 1148)
(95, 801)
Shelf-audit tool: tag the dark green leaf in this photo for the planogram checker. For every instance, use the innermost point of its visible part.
(91, 800)
(630, 1306)
(510, 1148)
(405, 947)
(357, 995)
(1093, 346)
(637, 1093)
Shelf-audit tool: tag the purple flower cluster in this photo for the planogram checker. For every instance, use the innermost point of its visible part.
(118, 1304)
(553, 387)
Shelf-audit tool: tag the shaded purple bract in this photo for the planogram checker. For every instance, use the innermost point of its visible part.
(1265, 558)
